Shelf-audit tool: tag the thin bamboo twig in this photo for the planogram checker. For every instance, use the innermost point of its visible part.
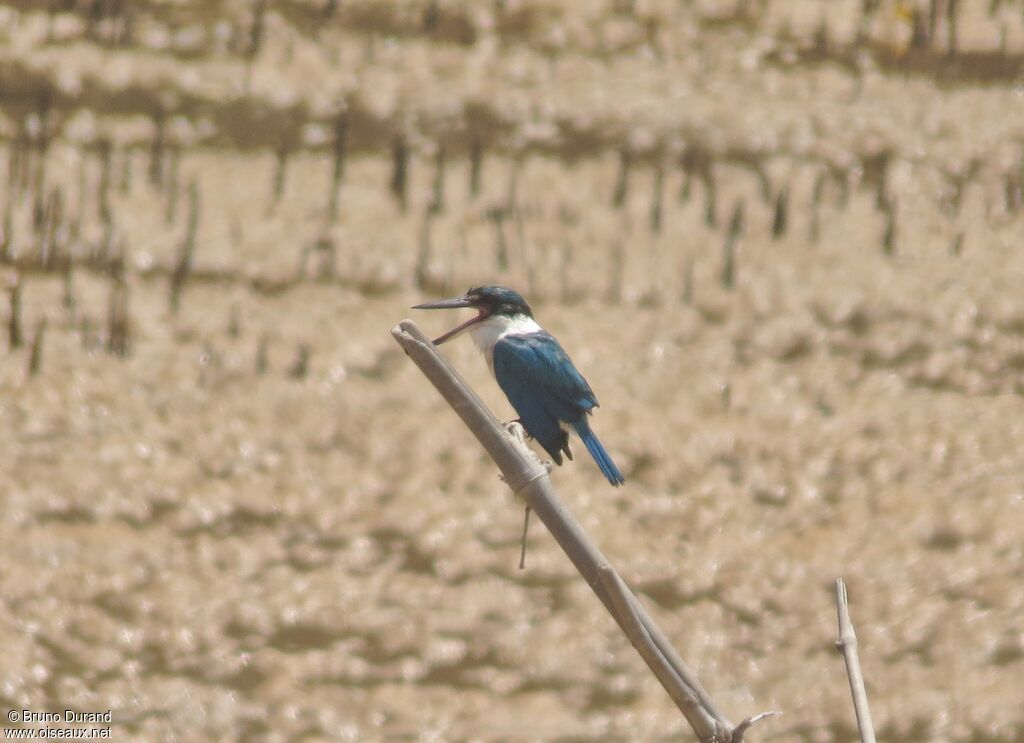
(847, 645)
(740, 730)
(528, 478)
(526, 531)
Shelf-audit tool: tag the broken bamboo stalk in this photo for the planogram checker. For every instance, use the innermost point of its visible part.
(847, 645)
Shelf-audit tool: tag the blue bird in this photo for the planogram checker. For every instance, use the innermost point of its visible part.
(533, 370)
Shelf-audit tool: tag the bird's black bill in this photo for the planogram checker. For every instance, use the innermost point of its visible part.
(452, 304)
(444, 304)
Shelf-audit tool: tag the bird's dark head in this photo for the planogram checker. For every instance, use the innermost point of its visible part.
(488, 301)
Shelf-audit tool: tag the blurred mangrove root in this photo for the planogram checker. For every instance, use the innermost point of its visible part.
(565, 272)
(889, 236)
(234, 322)
(256, 33)
(35, 359)
(420, 277)
(156, 150)
(174, 187)
(656, 198)
(847, 645)
(688, 280)
(400, 172)
(622, 182)
(814, 233)
(729, 247)
(780, 217)
(952, 10)
(14, 333)
(281, 156)
(711, 198)
(618, 269)
(261, 354)
(67, 299)
(958, 245)
(528, 479)
(300, 367)
(6, 239)
(340, 152)
(512, 189)
(497, 216)
(118, 323)
(476, 164)
(105, 152)
(686, 187)
(183, 266)
(437, 198)
(125, 175)
(325, 251)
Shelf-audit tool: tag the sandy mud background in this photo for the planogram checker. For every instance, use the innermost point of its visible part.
(783, 240)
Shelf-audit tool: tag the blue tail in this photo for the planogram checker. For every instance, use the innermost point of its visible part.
(597, 451)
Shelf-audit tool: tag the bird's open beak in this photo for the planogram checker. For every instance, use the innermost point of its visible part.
(449, 304)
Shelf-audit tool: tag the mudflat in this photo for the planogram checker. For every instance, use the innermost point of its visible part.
(782, 240)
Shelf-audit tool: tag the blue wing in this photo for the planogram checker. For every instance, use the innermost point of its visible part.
(544, 387)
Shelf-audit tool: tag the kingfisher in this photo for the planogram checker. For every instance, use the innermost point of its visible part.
(533, 370)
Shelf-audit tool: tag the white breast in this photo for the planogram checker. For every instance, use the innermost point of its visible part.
(493, 329)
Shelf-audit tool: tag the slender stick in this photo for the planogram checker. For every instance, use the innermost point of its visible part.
(847, 645)
(526, 530)
(529, 479)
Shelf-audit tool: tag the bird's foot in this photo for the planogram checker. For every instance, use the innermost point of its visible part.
(518, 434)
(516, 430)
